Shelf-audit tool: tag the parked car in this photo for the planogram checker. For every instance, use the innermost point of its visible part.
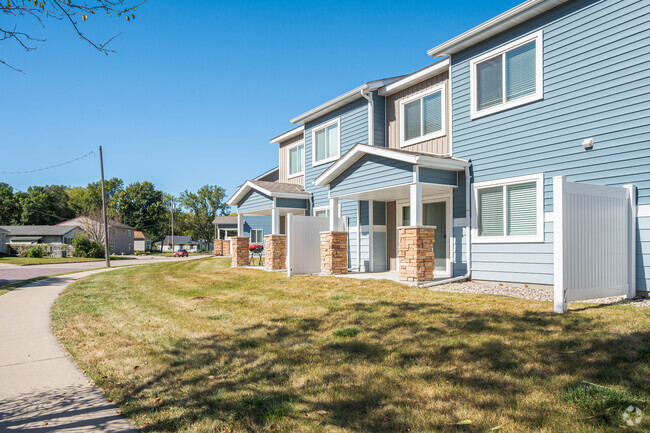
(181, 253)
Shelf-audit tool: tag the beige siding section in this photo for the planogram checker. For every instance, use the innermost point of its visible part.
(284, 162)
(439, 145)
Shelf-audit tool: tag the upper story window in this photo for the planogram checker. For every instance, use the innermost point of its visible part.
(508, 76)
(326, 142)
(297, 160)
(423, 117)
(510, 210)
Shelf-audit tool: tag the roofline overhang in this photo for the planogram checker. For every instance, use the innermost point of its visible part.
(248, 185)
(342, 100)
(415, 77)
(510, 18)
(289, 134)
(267, 173)
(359, 150)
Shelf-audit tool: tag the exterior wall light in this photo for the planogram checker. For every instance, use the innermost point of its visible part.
(588, 143)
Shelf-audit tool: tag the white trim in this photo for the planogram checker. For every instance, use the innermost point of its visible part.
(549, 217)
(643, 211)
(267, 173)
(460, 222)
(415, 77)
(289, 134)
(513, 17)
(319, 127)
(421, 96)
(631, 240)
(538, 37)
(371, 245)
(320, 209)
(537, 238)
(559, 280)
(250, 235)
(289, 148)
(248, 185)
(360, 150)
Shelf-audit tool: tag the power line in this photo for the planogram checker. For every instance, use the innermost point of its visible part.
(49, 167)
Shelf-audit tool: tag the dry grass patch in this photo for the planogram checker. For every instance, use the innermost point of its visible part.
(198, 346)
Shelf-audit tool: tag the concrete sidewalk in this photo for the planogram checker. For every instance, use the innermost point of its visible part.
(41, 388)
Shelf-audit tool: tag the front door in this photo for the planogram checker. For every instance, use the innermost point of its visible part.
(435, 214)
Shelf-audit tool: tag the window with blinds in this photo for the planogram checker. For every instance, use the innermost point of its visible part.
(508, 210)
(423, 117)
(326, 143)
(296, 160)
(507, 77)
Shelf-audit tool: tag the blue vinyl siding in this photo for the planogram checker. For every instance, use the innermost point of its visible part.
(354, 129)
(443, 177)
(596, 84)
(257, 222)
(349, 210)
(295, 203)
(371, 172)
(379, 126)
(253, 201)
(459, 196)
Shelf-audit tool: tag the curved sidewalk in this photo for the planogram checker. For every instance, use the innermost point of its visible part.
(41, 388)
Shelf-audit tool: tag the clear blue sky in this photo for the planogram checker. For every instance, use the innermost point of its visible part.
(194, 93)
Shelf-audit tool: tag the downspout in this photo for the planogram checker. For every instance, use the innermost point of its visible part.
(371, 116)
(469, 238)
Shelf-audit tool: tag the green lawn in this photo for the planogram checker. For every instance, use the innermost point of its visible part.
(11, 260)
(198, 346)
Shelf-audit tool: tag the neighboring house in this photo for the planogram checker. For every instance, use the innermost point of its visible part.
(471, 144)
(184, 243)
(3, 241)
(120, 236)
(41, 234)
(225, 226)
(141, 242)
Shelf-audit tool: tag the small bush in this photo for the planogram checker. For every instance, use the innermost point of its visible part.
(347, 332)
(602, 402)
(84, 247)
(36, 252)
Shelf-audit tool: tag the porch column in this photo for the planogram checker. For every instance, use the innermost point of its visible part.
(416, 257)
(334, 214)
(416, 204)
(275, 221)
(240, 224)
(333, 253)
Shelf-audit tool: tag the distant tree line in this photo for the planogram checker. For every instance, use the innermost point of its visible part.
(138, 205)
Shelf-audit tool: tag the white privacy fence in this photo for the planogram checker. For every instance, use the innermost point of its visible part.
(594, 241)
(303, 243)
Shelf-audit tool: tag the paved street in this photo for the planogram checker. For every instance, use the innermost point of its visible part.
(11, 273)
(41, 388)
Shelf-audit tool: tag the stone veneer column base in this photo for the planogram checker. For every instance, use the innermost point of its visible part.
(415, 253)
(221, 247)
(239, 251)
(275, 252)
(333, 253)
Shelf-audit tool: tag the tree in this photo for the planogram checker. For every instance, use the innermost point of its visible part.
(144, 207)
(44, 205)
(204, 206)
(9, 205)
(65, 10)
(88, 200)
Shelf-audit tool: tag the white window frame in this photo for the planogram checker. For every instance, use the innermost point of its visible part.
(536, 238)
(421, 96)
(320, 209)
(538, 37)
(317, 128)
(251, 236)
(289, 148)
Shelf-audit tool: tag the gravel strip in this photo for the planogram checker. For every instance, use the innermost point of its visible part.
(523, 291)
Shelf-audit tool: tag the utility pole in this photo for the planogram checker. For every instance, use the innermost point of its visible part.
(172, 226)
(106, 249)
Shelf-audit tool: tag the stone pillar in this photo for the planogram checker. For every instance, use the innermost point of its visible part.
(225, 247)
(415, 253)
(333, 253)
(275, 252)
(240, 251)
(218, 249)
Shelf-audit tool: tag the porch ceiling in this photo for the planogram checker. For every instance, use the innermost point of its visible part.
(397, 193)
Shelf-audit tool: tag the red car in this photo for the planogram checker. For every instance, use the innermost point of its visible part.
(181, 253)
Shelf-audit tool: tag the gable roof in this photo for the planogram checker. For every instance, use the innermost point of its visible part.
(82, 220)
(3, 231)
(139, 235)
(289, 134)
(342, 100)
(39, 230)
(272, 189)
(225, 219)
(515, 16)
(416, 77)
(263, 175)
(416, 158)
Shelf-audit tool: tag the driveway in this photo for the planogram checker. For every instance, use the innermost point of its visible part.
(41, 388)
(11, 273)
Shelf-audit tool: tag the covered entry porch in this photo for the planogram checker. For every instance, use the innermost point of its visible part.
(404, 209)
